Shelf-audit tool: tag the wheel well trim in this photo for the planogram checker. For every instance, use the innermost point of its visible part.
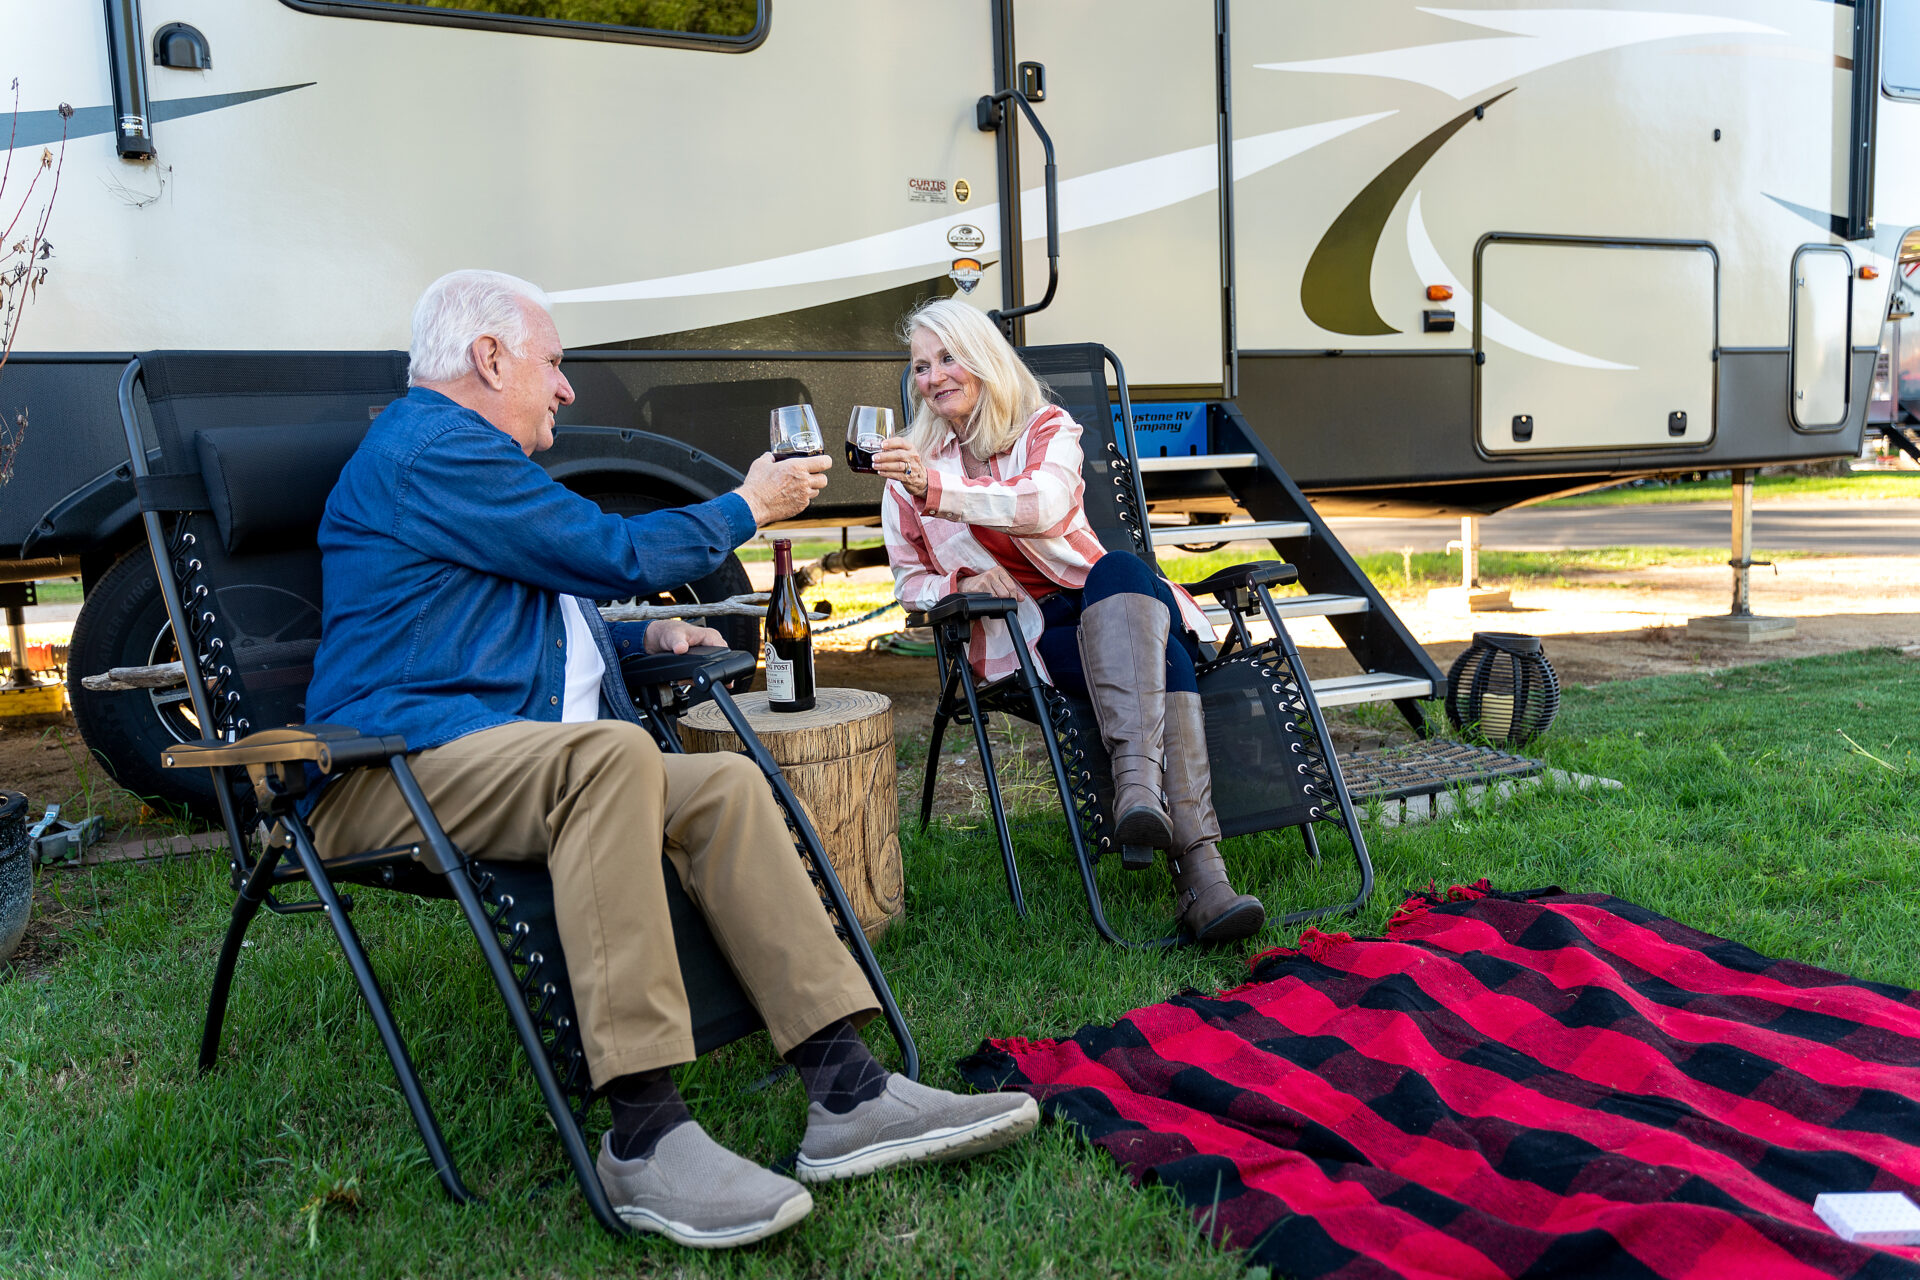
(585, 456)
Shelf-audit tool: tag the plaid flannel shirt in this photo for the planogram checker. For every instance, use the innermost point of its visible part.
(1032, 493)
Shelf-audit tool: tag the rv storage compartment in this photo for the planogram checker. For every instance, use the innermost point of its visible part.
(1822, 336)
(1598, 344)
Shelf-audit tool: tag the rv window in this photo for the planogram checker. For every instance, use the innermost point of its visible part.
(1900, 49)
(734, 25)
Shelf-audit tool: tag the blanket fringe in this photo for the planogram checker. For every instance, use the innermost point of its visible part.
(1424, 900)
(1314, 945)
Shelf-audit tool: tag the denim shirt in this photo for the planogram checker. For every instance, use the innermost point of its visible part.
(444, 553)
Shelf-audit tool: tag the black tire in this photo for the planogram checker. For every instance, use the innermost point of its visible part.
(124, 624)
(730, 579)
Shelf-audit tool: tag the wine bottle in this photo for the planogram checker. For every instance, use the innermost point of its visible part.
(789, 638)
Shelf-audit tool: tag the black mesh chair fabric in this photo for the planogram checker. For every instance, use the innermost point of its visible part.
(1271, 764)
(249, 448)
(1268, 772)
(1076, 380)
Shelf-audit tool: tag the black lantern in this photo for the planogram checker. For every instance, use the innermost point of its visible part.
(1504, 685)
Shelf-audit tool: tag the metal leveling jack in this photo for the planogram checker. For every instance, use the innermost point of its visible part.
(1742, 625)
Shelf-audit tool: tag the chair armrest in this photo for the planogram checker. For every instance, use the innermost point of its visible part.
(647, 670)
(968, 606)
(328, 747)
(1257, 573)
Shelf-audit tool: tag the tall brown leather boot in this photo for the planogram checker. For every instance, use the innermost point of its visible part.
(1210, 909)
(1123, 649)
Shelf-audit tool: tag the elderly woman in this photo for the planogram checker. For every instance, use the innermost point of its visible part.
(984, 495)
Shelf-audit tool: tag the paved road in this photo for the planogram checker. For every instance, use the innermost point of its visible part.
(1835, 528)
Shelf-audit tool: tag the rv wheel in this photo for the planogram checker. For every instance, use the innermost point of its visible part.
(124, 624)
(730, 579)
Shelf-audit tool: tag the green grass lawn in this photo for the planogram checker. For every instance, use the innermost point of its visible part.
(1865, 486)
(1773, 804)
(64, 591)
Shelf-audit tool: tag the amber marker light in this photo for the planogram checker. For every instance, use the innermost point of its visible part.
(1439, 292)
(1869, 273)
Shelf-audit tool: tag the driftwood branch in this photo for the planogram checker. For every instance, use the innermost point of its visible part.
(169, 675)
(164, 676)
(748, 606)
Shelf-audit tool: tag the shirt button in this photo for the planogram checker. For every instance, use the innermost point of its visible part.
(553, 702)
(560, 644)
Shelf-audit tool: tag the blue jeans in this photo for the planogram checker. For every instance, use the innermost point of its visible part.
(1116, 573)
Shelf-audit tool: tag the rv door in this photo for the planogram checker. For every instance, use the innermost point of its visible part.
(1132, 104)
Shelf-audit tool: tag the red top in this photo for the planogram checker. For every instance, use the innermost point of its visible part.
(1001, 547)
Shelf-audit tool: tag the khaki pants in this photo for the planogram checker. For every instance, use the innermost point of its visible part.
(598, 802)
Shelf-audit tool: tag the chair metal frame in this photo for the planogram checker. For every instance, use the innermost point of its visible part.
(276, 761)
(1242, 590)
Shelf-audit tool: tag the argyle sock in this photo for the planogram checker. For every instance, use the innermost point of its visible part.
(836, 1069)
(645, 1106)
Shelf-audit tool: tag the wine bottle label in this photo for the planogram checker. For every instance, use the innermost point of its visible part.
(779, 677)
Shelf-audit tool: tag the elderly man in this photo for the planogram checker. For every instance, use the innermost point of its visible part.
(459, 586)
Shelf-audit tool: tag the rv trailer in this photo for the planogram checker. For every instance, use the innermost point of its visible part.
(1397, 256)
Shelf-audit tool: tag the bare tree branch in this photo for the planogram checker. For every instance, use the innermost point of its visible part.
(23, 262)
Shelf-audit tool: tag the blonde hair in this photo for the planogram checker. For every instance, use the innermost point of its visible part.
(1009, 393)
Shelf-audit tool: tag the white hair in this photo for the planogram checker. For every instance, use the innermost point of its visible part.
(458, 310)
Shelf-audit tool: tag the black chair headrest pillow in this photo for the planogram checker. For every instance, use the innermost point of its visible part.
(268, 486)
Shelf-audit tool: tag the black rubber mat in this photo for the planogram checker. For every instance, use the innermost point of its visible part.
(1422, 768)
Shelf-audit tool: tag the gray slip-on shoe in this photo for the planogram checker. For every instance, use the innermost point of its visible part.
(697, 1193)
(909, 1122)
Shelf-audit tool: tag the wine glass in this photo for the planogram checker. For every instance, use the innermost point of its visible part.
(795, 433)
(867, 430)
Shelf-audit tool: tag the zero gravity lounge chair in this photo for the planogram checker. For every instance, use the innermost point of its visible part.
(248, 449)
(1272, 762)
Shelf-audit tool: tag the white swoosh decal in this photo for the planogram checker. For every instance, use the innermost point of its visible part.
(1541, 38)
(1090, 200)
(1429, 267)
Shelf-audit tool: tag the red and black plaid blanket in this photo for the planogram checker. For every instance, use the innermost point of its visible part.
(1523, 1084)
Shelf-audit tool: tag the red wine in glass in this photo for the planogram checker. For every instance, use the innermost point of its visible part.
(795, 433)
(867, 431)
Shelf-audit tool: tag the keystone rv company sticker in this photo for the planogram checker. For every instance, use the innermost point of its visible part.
(927, 190)
(962, 191)
(965, 238)
(965, 273)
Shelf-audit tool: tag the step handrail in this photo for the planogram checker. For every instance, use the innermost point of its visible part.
(988, 114)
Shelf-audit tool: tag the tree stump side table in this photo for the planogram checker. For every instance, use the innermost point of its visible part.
(838, 758)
